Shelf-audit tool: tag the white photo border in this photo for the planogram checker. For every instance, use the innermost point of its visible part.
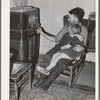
(5, 42)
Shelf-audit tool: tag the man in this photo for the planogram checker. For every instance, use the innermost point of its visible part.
(75, 17)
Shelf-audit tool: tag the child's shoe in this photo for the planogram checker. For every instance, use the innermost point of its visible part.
(43, 70)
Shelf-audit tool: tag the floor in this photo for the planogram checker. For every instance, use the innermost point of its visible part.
(55, 92)
(84, 88)
(86, 77)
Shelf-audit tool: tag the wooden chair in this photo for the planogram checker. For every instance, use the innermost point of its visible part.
(74, 70)
(20, 77)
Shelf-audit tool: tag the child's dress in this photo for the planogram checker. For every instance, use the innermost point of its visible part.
(73, 41)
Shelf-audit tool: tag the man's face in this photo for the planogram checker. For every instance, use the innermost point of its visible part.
(72, 19)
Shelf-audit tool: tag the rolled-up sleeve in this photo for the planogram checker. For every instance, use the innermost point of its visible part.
(59, 36)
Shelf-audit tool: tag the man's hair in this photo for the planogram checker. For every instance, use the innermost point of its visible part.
(78, 12)
(76, 29)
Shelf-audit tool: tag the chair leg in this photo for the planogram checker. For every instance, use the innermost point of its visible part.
(30, 78)
(75, 76)
(77, 73)
(16, 90)
(70, 79)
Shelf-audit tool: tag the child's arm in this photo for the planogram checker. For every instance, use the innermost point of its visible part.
(77, 42)
(66, 46)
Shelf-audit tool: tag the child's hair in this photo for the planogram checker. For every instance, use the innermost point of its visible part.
(76, 29)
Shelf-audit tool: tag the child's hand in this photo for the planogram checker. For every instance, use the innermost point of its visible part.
(78, 48)
(66, 46)
(63, 47)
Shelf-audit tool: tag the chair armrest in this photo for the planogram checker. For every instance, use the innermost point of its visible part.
(78, 61)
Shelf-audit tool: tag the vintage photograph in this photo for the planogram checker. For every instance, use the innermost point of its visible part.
(52, 50)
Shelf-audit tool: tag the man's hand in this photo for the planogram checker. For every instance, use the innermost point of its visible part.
(78, 48)
(47, 35)
(39, 30)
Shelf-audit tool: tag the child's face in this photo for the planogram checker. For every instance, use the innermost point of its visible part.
(71, 31)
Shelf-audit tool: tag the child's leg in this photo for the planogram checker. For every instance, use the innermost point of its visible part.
(56, 58)
(54, 61)
(45, 70)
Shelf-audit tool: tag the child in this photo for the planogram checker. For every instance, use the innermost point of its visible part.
(66, 51)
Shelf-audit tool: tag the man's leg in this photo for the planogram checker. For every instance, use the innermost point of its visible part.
(62, 63)
(46, 60)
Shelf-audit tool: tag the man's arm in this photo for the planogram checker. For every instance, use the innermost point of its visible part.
(63, 31)
(46, 34)
(53, 38)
